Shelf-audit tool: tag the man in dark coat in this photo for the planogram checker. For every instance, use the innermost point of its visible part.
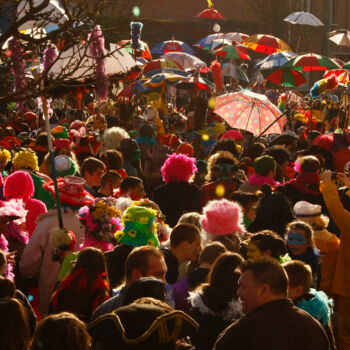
(271, 320)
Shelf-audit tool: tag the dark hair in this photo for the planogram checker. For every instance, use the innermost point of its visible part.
(222, 281)
(129, 182)
(255, 150)
(138, 259)
(14, 327)
(225, 145)
(273, 213)
(7, 288)
(145, 287)
(110, 177)
(299, 274)
(114, 159)
(303, 226)
(269, 271)
(61, 331)
(146, 130)
(310, 164)
(90, 165)
(211, 252)
(268, 240)
(279, 154)
(244, 199)
(128, 148)
(183, 233)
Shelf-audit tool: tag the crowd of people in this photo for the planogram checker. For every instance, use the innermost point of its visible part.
(178, 232)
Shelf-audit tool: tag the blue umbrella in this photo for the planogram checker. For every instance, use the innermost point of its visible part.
(172, 46)
(275, 60)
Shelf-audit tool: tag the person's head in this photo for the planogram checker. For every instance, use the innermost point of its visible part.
(134, 187)
(223, 274)
(248, 201)
(263, 280)
(266, 243)
(311, 214)
(228, 145)
(265, 166)
(255, 150)
(145, 261)
(145, 287)
(309, 164)
(299, 237)
(3, 263)
(26, 159)
(114, 159)
(92, 170)
(300, 278)
(281, 156)
(14, 327)
(61, 331)
(178, 168)
(193, 218)
(7, 288)
(221, 164)
(211, 252)
(110, 181)
(186, 240)
(5, 157)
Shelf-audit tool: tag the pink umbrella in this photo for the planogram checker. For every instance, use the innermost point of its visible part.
(249, 111)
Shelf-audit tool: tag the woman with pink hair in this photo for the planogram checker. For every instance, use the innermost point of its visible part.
(177, 195)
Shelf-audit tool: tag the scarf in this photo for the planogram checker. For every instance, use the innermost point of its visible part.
(304, 181)
(259, 180)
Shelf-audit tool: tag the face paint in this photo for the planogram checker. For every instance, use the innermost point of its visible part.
(295, 238)
(253, 251)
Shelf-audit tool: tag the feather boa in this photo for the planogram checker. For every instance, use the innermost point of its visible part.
(259, 180)
(97, 43)
(50, 54)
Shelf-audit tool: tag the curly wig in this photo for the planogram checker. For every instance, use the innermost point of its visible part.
(178, 167)
(112, 137)
(5, 154)
(213, 159)
(26, 159)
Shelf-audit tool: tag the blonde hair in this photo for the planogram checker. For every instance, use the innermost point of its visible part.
(4, 153)
(316, 222)
(26, 159)
(214, 158)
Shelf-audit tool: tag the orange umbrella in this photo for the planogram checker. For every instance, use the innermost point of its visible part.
(265, 44)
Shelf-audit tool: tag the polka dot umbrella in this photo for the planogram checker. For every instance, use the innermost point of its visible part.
(249, 111)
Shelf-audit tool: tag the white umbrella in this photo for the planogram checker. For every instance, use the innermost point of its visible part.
(340, 37)
(187, 61)
(75, 63)
(206, 42)
(303, 18)
(52, 14)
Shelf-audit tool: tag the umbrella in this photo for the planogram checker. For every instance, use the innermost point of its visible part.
(249, 111)
(232, 51)
(344, 78)
(186, 60)
(196, 82)
(233, 71)
(210, 13)
(51, 14)
(303, 18)
(311, 62)
(265, 44)
(76, 62)
(172, 46)
(340, 37)
(159, 79)
(284, 77)
(206, 42)
(275, 60)
(127, 45)
(161, 65)
(135, 88)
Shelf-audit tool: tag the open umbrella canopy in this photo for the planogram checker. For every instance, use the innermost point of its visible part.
(196, 82)
(206, 42)
(186, 60)
(172, 46)
(161, 65)
(249, 111)
(311, 62)
(210, 13)
(135, 88)
(76, 63)
(159, 79)
(284, 77)
(265, 44)
(275, 60)
(340, 37)
(304, 18)
(233, 71)
(232, 51)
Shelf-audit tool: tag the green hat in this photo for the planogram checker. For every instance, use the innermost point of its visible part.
(60, 132)
(264, 164)
(139, 227)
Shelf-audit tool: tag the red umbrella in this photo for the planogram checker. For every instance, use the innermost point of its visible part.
(232, 51)
(265, 44)
(311, 62)
(284, 77)
(210, 13)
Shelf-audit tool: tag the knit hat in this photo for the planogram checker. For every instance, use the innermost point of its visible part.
(61, 144)
(304, 209)
(139, 227)
(264, 164)
(30, 116)
(232, 134)
(60, 132)
(185, 148)
(222, 217)
(178, 167)
(171, 140)
(64, 166)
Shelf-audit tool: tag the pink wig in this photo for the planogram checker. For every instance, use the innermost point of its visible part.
(14, 207)
(19, 185)
(178, 167)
